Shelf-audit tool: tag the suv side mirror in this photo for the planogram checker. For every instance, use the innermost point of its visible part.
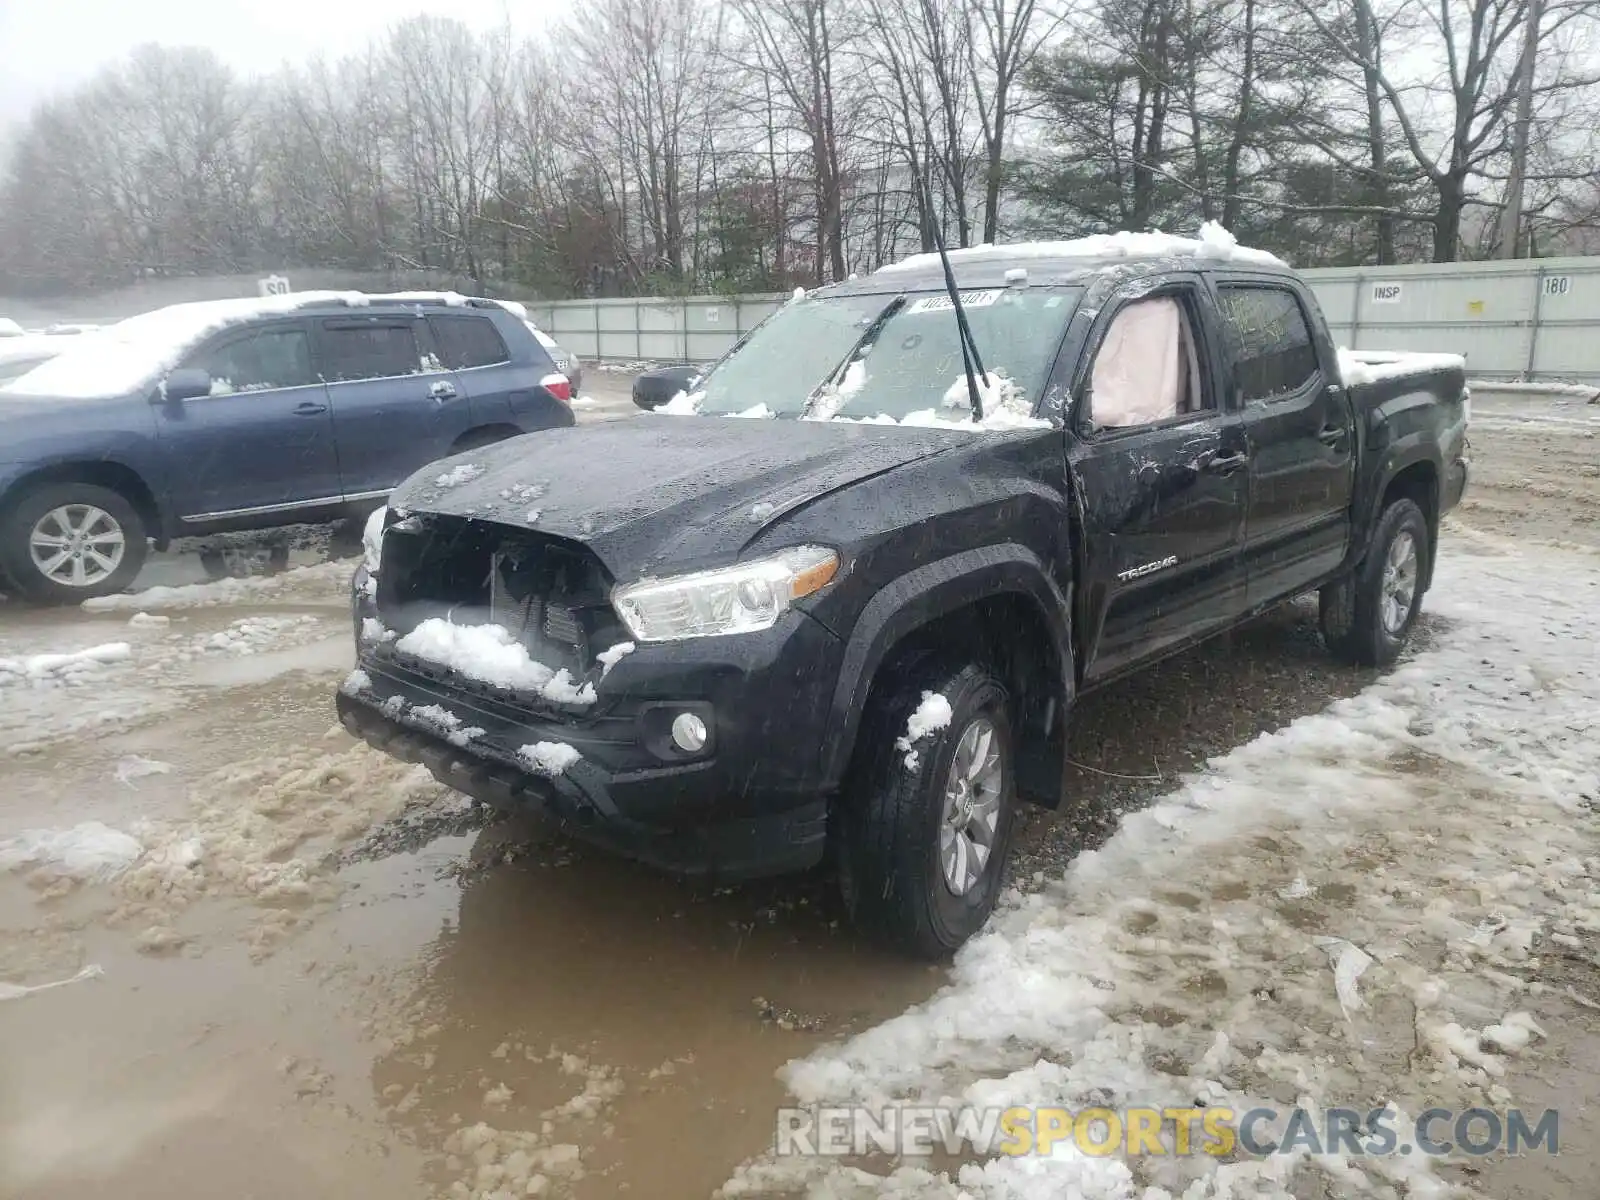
(186, 383)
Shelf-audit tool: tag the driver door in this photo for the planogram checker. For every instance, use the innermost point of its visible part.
(1158, 465)
(262, 441)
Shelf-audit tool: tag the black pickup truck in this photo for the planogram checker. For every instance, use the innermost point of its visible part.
(852, 624)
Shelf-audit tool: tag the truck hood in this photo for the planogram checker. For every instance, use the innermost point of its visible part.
(657, 493)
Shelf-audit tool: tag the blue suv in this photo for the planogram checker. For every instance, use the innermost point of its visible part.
(248, 414)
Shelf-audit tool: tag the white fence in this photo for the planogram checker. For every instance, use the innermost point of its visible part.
(1536, 319)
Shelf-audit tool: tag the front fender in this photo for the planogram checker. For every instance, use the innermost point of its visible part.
(924, 595)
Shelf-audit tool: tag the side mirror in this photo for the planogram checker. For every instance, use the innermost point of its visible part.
(186, 383)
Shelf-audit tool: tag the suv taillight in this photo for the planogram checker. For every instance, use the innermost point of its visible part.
(558, 386)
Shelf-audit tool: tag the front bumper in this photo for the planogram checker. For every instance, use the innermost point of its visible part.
(752, 803)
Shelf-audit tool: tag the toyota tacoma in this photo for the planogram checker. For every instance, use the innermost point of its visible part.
(839, 601)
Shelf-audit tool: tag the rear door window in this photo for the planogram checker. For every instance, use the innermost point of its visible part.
(352, 351)
(467, 342)
(1273, 353)
(258, 361)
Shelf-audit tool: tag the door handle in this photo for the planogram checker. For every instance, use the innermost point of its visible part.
(309, 408)
(1331, 435)
(1226, 464)
(442, 389)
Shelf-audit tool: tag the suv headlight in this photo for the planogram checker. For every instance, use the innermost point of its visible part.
(744, 598)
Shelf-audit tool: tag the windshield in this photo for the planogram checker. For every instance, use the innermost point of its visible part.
(909, 364)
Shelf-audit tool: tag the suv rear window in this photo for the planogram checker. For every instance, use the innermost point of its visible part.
(368, 351)
(466, 342)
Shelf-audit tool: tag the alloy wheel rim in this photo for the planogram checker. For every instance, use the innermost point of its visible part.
(1399, 587)
(971, 818)
(77, 545)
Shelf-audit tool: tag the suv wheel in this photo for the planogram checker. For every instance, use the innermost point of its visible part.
(67, 542)
(923, 847)
(1367, 617)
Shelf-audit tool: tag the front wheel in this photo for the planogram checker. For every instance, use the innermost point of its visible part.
(1367, 617)
(925, 827)
(67, 542)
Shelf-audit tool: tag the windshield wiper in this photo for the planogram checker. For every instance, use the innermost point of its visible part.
(969, 347)
(874, 327)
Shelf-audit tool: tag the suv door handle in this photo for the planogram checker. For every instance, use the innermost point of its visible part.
(1331, 435)
(442, 389)
(1227, 464)
(309, 408)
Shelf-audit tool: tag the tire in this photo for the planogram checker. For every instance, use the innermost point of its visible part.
(1367, 616)
(893, 841)
(39, 514)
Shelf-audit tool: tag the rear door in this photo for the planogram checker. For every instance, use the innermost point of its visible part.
(395, 406)
(262, 441)
(1302, 439)
(1158, 467)
(471, 347)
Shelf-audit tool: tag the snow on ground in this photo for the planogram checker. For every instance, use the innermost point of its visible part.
(1439, 823)
(319, 579)
(90, 851)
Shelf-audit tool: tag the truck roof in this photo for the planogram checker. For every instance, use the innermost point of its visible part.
(1068, 261)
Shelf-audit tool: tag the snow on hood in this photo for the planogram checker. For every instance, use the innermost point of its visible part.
(1368, 366)
(132, 353)
(1214, 242)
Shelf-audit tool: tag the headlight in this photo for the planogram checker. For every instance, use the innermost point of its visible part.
(738, 599)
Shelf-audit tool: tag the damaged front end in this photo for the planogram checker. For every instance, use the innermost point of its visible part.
(492, 654)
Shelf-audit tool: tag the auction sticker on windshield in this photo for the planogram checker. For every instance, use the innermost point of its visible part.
(968, 300)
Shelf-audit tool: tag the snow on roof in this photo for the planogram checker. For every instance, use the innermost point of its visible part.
(131, 353)
(1214, 243)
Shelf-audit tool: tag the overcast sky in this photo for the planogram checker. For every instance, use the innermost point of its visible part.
(46, 46)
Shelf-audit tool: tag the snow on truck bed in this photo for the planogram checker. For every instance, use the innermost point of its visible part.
(1369, 366)
(117, 359)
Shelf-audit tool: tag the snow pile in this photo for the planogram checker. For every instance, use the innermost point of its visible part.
(91, 852)
(1357, 367)
(372, 540)
(1214, 243)
(1005, 406)
(327, 579)
(549, 758)
(1424, 838)
(489, 653)
(610, 658)
(932, 714)
(72, 667)
(253, 635)
(266, 830)
(683, 404)
(459, 474)
(445, 723)
(758, 411)
(137, 766)
(835, 396)
(144, 620)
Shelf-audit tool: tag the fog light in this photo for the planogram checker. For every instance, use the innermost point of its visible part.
(688, 732)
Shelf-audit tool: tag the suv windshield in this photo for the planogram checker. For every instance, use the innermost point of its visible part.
(908, 366)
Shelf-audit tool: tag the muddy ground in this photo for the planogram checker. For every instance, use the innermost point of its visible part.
(324, 971)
